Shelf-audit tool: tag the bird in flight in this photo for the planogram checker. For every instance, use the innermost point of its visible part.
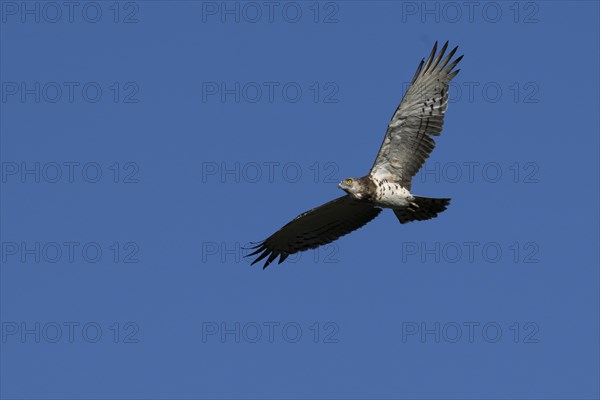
(407, 144)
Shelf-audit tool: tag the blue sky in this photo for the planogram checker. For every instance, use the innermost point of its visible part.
(144, 143)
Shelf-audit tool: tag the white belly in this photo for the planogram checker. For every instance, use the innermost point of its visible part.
(391, 195)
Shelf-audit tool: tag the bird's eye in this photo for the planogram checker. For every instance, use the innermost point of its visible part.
(349, 181)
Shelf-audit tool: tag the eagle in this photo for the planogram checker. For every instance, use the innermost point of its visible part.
(406, 145)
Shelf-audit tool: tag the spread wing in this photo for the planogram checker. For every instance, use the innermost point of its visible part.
(316, 227)
(409, 140)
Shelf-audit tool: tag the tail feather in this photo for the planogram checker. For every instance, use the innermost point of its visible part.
(420, 209)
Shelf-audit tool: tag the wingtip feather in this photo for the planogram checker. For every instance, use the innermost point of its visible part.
(430, 58)
(452, 75)
(263, 255)
(448, 58)
(451, 66)
(418, 71)
(439, 56)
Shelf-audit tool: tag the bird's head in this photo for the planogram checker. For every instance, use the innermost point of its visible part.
(352, 186)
